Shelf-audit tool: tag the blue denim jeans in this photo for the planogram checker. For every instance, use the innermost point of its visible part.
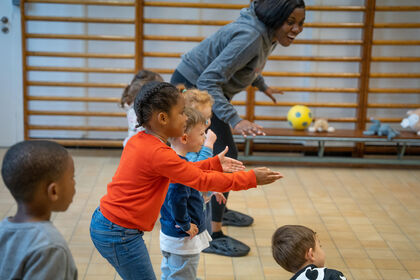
(124, 248)
(179, 267)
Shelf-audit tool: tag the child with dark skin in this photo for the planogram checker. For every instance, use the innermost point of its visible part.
(40, 177)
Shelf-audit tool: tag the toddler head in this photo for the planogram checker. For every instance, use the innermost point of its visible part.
(200, 100)
(195, 130)
(39, 171)
(295, 246)
(142, 77)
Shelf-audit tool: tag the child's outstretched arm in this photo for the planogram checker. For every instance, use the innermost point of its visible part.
(227, 164)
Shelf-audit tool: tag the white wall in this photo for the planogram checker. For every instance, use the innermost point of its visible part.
(11, 104)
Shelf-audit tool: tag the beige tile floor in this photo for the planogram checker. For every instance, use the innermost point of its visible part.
(368, 220)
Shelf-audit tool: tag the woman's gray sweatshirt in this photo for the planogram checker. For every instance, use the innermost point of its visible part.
(228, 61)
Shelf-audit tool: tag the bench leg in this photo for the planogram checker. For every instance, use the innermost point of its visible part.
(321, 148)
(401, 151)
(247, 146)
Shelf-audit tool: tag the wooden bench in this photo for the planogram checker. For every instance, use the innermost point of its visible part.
(283, 135)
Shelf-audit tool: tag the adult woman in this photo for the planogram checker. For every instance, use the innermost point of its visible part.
(226, 63)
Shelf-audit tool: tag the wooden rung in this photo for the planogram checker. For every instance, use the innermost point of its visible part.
(397, 8)
(318, 89)
(384, 120)
(333, 25)
(81, 69)
(312, 75)
(85, 142)
(396, 42)
(309, 104)
(81, 19)
(315, 58)
(393, 106)
(396, 25)
(79, 128)
(395, 75)
(240, 6)
(396, 59)
(239, 103)
(283, 118)
(72, 84)
(81, 55)
(84, 2)
(75, 113)
(394, 90)
(74, 99)
(79, 37)
(297, 41)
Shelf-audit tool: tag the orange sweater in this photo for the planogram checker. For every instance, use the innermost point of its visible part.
(139, 186)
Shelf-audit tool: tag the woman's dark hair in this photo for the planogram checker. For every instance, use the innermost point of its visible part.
(27, 164)
(273, 13)
(142, 77)
(154, 96)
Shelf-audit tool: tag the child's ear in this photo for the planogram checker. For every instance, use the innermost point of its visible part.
(163, 118)
(52, 191)
(184, 138)
(310, 255)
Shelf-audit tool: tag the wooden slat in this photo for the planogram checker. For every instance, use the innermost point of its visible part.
(81, 69)
(81, 19)
(315, 58)
(397, 8)
(396, 42)
(397, 25)
(297, 41)
(317, 89)
(79, 37)
(75, 84)
(283, 118)
(395, 75)
(80, 55)
(393, 106)
(24, 72)
(75, 113)
(78, 128)
(311, 74)
(394, 90)
(85, 142)
(74, 99)
(83, 2)
(396, 59)
(309, 104)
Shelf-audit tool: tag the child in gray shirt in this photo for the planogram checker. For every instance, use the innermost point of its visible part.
(40, 177)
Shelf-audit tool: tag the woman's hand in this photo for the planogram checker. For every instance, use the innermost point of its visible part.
(229, 164)
(270, 91)
(220, 198)
(266, 176)
(248, 128)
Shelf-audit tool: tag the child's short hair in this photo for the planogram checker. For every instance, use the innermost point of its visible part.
(154, 96)
(194, 117)
(142, 77)
(194, 97)
(290, 243)
(29, 163)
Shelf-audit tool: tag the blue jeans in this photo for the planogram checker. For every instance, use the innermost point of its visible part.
(179, 267)
(124, 248)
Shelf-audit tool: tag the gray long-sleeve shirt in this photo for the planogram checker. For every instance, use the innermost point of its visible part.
(230, 60)
(34, 250)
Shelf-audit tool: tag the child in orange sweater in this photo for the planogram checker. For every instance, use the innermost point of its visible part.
(139, 186)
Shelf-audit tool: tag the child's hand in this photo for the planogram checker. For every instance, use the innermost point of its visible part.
(210, 139)
(206, 197)
(193, 230)
(229, 164)
(220, 198)
(265, 176)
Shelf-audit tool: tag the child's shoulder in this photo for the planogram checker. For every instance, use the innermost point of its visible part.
(311, 272)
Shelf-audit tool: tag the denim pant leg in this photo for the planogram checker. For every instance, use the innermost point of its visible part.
(123, 248)
(179, 267)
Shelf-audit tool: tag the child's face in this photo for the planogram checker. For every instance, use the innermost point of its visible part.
(65, 187)
(196, 137)
(205, 110)
(319, 254)
(177, 119)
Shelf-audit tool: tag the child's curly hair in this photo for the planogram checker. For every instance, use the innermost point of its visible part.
(131, 90)
(154, 96)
